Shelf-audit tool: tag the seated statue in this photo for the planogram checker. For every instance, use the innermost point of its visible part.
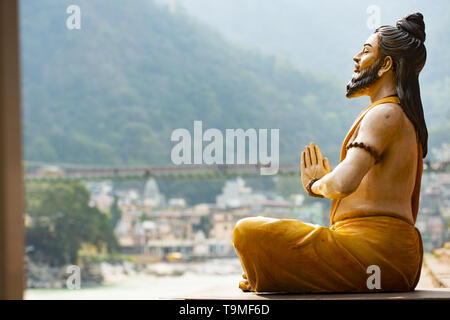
(374, 189)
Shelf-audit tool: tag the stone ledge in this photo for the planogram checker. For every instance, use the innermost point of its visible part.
(431, 294)
(439, 271)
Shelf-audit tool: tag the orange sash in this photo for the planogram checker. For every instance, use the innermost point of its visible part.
(416, 192)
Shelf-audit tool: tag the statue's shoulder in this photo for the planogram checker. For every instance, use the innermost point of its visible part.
(385, 117)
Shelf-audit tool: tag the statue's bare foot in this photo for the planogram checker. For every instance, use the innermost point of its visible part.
(244, 285)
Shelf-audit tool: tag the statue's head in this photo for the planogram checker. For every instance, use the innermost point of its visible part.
(396, 55)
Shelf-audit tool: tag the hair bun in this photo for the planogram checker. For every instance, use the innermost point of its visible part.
(414, 25)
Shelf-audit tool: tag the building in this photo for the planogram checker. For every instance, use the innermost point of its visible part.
(151, 195)
(235, 194)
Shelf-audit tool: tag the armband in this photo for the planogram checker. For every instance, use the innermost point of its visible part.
(367, 148)
(308, 188)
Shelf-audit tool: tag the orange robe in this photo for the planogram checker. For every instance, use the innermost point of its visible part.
(287, 255)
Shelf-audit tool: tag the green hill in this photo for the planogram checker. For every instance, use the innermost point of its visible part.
(113, 92)
(325, 35)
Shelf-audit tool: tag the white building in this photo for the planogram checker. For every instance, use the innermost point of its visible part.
(151, 195)
(101, 194)
(235, 194)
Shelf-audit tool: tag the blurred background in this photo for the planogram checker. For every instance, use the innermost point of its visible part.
(101, 101)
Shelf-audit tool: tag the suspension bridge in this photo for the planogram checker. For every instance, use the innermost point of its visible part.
(39, 171)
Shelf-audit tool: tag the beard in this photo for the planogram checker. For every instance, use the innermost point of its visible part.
(363, 79)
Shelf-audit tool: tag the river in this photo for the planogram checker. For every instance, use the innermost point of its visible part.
(193, 279)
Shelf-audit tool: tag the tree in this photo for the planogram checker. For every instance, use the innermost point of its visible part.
(62, 220)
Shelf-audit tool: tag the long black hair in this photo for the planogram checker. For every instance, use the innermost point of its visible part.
(404, 44)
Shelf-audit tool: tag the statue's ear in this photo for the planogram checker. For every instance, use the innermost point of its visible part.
(387, 65)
